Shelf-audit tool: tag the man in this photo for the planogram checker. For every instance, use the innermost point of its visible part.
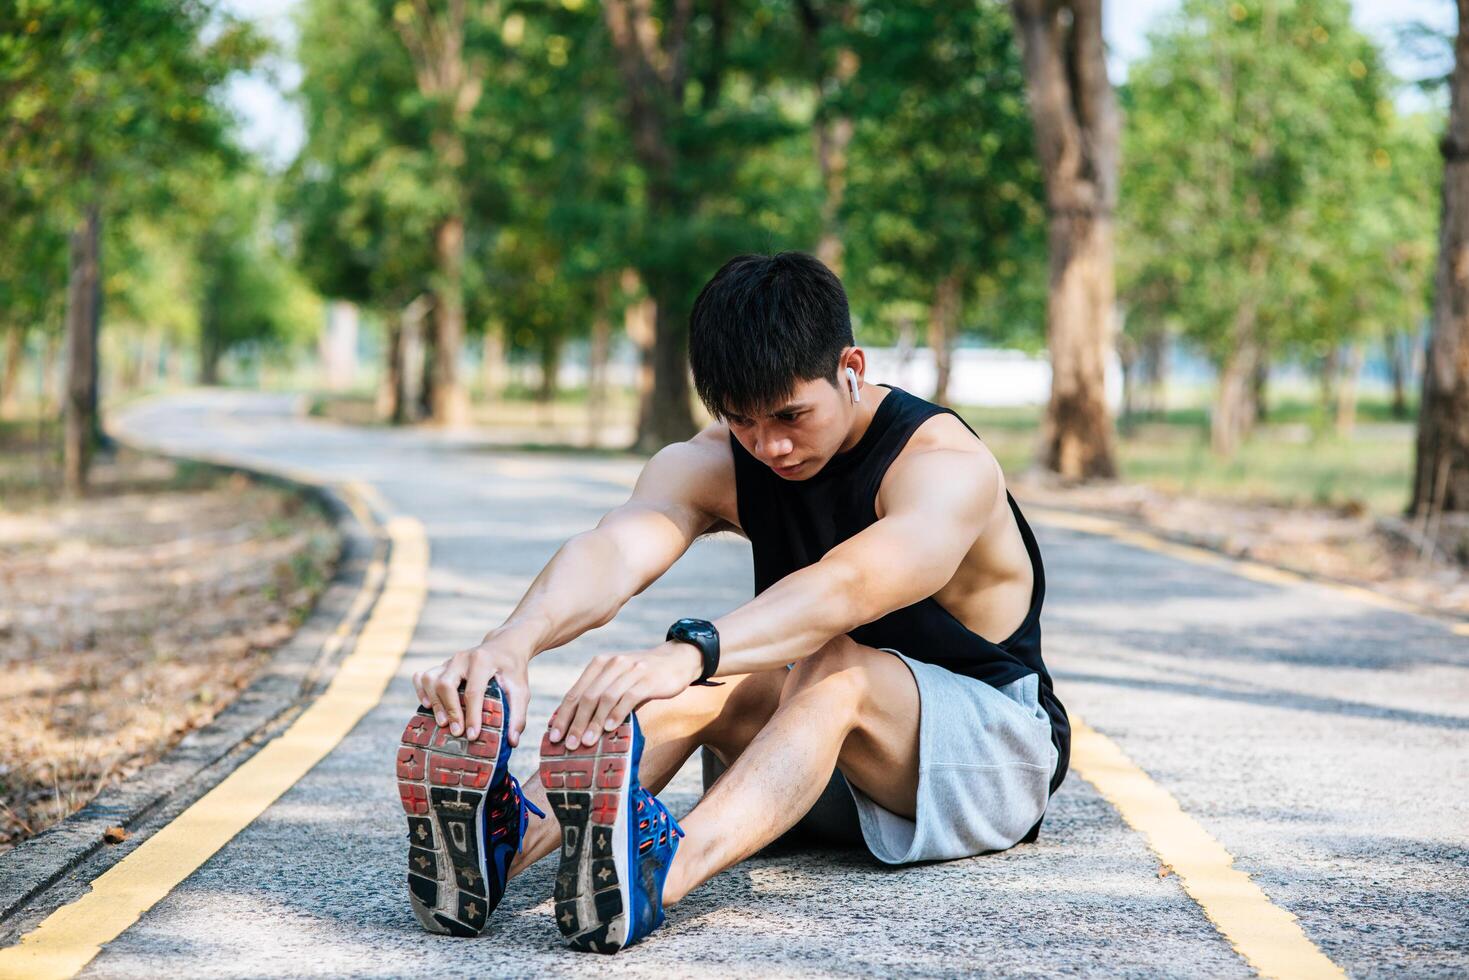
(887, 553)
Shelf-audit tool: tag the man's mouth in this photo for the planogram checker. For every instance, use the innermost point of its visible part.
(787, 470)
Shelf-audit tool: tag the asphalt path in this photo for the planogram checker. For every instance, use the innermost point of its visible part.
(1322, 741)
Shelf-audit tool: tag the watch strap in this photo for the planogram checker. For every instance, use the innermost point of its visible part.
(708, 647)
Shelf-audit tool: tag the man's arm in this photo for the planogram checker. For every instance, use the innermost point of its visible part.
(935, 505)
(591, 576)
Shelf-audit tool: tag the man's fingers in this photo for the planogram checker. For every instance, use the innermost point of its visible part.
(562, 717)
(582, 726)
(516, 695)
(606, 717)
(625, 706)
(446, 689)
(474, 696)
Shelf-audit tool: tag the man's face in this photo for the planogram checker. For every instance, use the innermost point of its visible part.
(803, 432)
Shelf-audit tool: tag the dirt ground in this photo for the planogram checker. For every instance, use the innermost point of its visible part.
(1346, 544)
(133, 617)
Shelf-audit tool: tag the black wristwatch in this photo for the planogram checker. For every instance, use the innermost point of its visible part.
(702, 634)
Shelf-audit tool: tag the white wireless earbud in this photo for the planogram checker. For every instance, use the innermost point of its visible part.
(852, 380)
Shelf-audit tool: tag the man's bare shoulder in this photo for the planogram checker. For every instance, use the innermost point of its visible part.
(700, 472)
(942, 458)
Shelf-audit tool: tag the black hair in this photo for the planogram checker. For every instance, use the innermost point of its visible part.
(761, 326)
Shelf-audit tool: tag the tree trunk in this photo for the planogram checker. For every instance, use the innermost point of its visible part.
(1129, 356)
(425, 367)
(637, 323)
(652, 60)
(209, 341)
(1441, 474)
(83, 310)
(942, 314)
(831, 131)
(1076, 131)
(551, 345)
(597, 356)
(671, 417)
(450, 404)
(1346, 390)
(1259, 388)
(434, 35)
(1233, 404)
(1397, 369)
(1326, 378)
(492, 362)
(906, 349)
(10, 386)
(1155, 370)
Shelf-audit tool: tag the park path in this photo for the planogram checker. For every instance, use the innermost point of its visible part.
(1320, 740)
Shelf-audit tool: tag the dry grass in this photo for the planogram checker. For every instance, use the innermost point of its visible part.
(133, 617)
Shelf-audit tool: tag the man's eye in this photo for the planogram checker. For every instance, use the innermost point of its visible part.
(786, 417)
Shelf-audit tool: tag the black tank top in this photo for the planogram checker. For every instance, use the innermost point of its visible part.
(793, 523)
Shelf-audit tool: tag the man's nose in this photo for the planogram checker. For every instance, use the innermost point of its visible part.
(779, 448)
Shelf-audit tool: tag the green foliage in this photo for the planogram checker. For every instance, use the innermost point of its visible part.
(944, 175)
(120, 105)
(1260, 174)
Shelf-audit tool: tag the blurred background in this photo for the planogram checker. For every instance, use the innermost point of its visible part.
(1171, 258)
(499, 213)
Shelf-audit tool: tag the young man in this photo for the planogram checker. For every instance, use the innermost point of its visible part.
(888, 553)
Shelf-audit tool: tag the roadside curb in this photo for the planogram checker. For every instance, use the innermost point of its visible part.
(298, 671)
(1133, 530)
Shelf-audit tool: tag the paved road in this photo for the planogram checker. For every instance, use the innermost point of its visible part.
(1323, 742)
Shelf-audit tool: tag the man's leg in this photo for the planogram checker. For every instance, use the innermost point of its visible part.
(846, 705)
(726, 718)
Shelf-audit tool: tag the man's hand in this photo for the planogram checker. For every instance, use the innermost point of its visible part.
(613, 685)
(497, 656)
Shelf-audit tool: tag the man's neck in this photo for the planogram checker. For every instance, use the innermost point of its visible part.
(866, 409)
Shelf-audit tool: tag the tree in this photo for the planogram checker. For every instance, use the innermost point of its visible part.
(437, 34)
(99, 101)
(944, 206)
(1252, 132)
(1076, 131)
(1441, 471)
(364, 195)
(691, 137)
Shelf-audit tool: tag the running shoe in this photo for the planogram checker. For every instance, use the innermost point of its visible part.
(466, 817)
(617, 841)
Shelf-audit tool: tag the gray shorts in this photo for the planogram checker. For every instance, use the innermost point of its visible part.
(985, 761)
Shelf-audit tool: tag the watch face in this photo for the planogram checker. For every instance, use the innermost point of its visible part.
(696, 627)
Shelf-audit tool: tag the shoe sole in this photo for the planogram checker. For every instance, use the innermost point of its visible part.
(443, 781)
(588, 789)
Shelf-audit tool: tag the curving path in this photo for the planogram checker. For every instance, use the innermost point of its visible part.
(1323, 742)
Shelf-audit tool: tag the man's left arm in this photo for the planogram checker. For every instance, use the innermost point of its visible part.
(935, 505)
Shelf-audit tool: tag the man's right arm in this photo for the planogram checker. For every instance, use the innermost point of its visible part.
(589, 579)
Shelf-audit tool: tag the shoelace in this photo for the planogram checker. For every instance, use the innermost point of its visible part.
(512, 791)
(660, 815)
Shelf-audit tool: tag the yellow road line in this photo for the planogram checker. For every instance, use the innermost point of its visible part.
(1244, 567)
(1268, 937)
(70, 937)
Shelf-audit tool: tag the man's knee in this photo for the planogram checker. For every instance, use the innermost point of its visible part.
(837, 671)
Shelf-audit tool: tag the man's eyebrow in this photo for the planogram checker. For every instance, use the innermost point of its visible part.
(783, 410)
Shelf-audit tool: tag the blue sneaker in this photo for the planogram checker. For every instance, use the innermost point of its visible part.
(617, 841)
(466, 817)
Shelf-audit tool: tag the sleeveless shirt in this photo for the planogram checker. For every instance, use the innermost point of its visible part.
(793, 523)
